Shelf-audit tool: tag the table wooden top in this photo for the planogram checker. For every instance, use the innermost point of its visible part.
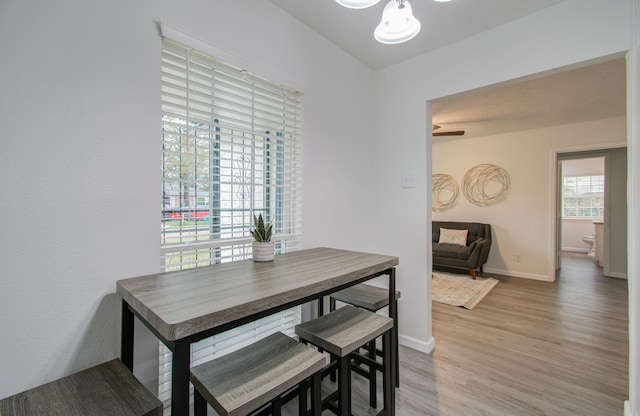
(187, 302)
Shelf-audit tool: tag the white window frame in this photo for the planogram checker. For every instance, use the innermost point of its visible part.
(585, 189)
(232, 148)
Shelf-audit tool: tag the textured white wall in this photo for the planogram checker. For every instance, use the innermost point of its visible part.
(79, 166)
(80, 110)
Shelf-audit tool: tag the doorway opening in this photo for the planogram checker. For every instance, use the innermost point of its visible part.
(591, 195)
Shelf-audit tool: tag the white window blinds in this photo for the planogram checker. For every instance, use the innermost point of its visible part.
(231, 148)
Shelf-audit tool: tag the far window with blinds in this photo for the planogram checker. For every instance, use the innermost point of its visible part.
(583, 197)
(231, 148)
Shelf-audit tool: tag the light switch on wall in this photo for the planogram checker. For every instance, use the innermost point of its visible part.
(408, 180)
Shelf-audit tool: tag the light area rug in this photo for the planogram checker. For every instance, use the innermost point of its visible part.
(460, 290)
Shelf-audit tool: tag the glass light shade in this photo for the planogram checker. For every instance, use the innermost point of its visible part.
(357, 4)
(398, 24)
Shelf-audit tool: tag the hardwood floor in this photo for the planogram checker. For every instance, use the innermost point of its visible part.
(533, 348)
(529, 348)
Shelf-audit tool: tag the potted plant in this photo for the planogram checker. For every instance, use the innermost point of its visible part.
(263, 248)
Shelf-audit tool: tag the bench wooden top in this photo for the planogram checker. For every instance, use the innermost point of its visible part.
(104, 390)
(182, 303)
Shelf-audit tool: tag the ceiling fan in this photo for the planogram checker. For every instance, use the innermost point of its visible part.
(445, 133)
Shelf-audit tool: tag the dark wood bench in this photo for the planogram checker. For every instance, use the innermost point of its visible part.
(104, 390)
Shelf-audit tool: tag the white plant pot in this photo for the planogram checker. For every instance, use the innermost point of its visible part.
(263, 251)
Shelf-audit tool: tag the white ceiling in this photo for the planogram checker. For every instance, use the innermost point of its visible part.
(593, 92)
(442, 24)
(590, 93)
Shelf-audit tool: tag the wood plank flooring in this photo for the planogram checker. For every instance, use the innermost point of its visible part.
(529, 348)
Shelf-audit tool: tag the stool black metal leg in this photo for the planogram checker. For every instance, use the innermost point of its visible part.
(344, 385)
(302, 397)
(372, 353)
(316, 397)
(333, 374)
(199, 404)
(396, 351)
(393, 313)
(389, 368)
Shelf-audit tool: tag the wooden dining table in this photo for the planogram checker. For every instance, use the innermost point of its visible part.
(183, 307)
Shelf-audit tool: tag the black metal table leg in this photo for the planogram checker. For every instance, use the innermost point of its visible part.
(126, 340)
(180, 379)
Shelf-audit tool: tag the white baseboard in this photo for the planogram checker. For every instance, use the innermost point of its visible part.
(531, 276)
(617, 275)
(627, 408)
(575, 249)
(416, 344)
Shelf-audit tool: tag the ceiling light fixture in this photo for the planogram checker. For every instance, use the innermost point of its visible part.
(357, 4)
(398, 23)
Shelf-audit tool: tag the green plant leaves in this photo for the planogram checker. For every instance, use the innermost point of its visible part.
(261, 232)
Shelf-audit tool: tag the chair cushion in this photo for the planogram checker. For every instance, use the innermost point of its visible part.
(452, 251)
(448, 236)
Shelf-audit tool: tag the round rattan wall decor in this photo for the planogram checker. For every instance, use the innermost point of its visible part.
(485, 185)
(444, 192)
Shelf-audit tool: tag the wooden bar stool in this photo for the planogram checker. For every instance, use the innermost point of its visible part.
(342, 332)
(247, 379)
(372, 298)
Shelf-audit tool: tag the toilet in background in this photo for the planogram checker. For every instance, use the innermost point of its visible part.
(590, 240)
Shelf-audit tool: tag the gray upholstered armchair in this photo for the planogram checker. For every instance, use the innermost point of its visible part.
(472, 255)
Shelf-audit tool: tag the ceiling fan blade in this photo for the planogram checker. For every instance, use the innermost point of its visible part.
(448, 133)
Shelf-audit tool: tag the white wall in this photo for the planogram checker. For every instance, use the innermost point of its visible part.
(80, 173)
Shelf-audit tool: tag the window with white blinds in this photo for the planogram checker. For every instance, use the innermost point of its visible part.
(231, 148)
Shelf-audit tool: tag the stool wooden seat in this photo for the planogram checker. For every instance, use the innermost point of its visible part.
(372, 298)
(340, 333)
(104, 390)
(245, 380)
